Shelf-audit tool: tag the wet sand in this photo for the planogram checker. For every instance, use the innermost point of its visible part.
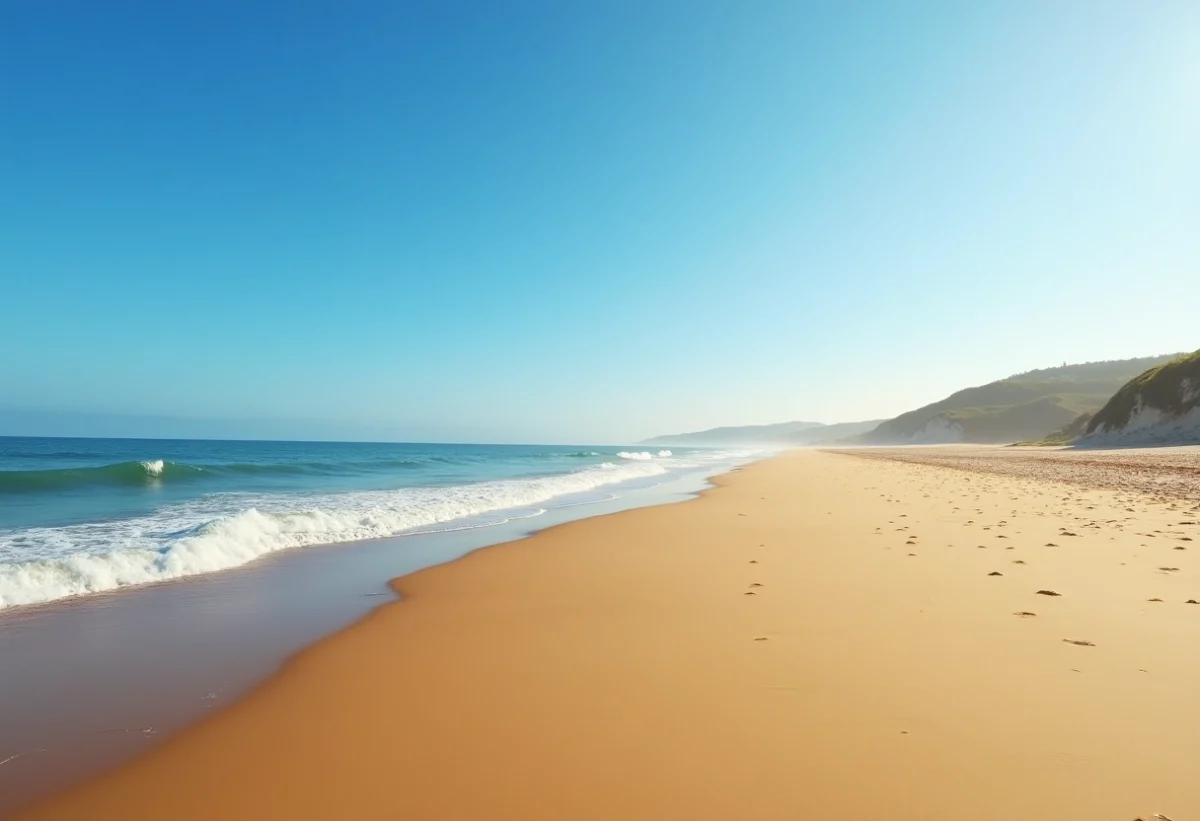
(823, 635)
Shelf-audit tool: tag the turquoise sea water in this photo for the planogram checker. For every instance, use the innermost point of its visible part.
(87, 515)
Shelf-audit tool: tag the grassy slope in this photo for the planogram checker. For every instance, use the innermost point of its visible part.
(1022, 407)
(1160, 387)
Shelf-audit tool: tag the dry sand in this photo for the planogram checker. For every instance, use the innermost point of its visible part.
(822, 636)
(1166, 474)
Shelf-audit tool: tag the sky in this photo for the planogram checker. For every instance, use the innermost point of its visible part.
(571, 221)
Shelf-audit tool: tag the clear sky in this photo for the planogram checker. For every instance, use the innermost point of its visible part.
(580, 221)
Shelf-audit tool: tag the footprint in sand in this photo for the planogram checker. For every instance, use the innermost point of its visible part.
(995, 573)
(1048, 593)
(1079, 643)
(1025, 614)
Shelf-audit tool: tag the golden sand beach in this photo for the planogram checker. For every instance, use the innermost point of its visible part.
(823, 635)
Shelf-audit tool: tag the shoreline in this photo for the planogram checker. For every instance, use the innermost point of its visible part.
(79, 531)
(734, 656)
(134, 667)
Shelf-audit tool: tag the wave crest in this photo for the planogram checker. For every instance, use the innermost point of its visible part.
(644, 455)
(121, 473)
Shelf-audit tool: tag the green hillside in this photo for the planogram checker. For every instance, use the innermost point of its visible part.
(1044, 406)
(1023, 407)
(1170, 391)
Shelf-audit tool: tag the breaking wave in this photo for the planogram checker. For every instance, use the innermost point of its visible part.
(157, 471)
(122, 473)
(204, 536)
(643, 456)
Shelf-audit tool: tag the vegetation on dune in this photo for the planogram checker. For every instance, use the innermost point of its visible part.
(1172, 388)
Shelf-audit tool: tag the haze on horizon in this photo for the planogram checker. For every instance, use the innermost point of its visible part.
(553, 222)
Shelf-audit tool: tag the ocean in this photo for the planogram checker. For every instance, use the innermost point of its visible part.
(81, 516)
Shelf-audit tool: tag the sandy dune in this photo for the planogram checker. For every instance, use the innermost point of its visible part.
(823, 636)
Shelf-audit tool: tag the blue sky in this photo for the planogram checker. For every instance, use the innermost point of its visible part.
(580, 221)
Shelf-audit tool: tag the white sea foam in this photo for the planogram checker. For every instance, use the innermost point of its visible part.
(643, 455)
(229, 530)
(154, 468)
